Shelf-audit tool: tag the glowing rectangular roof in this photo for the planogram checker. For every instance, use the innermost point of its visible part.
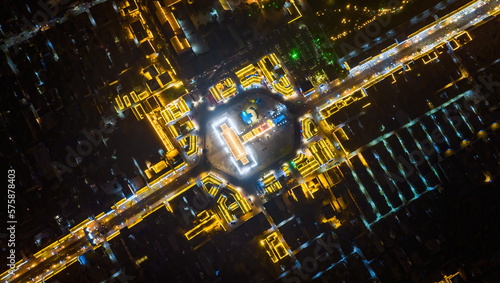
(233, 142)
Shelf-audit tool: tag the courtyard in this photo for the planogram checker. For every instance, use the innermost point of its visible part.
(249, 135)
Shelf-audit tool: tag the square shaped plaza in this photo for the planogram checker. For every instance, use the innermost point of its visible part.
(249, 134)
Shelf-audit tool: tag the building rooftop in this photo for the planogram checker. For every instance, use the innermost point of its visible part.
(234, 143)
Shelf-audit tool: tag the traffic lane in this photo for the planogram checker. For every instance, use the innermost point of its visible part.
(138, 208)
(153, 197)
(73, 248)
(44, 266)
(403, 51)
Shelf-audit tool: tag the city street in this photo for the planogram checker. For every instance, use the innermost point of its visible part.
(55, 259)
(385, 63)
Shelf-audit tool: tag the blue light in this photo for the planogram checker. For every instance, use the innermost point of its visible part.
(247, 117)
(82, 259)
(278, 119)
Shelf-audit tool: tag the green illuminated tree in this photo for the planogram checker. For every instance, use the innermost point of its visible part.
(294, 54)
(273, 5)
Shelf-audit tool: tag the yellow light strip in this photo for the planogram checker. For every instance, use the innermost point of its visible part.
(110, 237)
(85, 222)
(300, 14)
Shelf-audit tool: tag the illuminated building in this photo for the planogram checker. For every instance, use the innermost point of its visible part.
(157, 168)
(307, 88)
(161, 132)
(274, 247)
(174, 110)
(190, 143)
(286, 169)
(271, 184)
(180, 44)
(341, 103)
(275, 74)
(309, 130)
(211, 184)
(207, 221)
(249, 76)
(230, 201)
(182, 126)
(234, 143)
(268, 179)
(164, 14)
(261, 129)
(330, 178)
(309, 188)
(306, 166)
(223, 90)
(322, 151)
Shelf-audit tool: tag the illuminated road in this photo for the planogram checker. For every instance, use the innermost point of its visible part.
(27, 34)
(75, 244)
(386, 62)
(55, 258)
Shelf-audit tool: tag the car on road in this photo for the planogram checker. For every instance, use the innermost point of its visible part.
(90, 236)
